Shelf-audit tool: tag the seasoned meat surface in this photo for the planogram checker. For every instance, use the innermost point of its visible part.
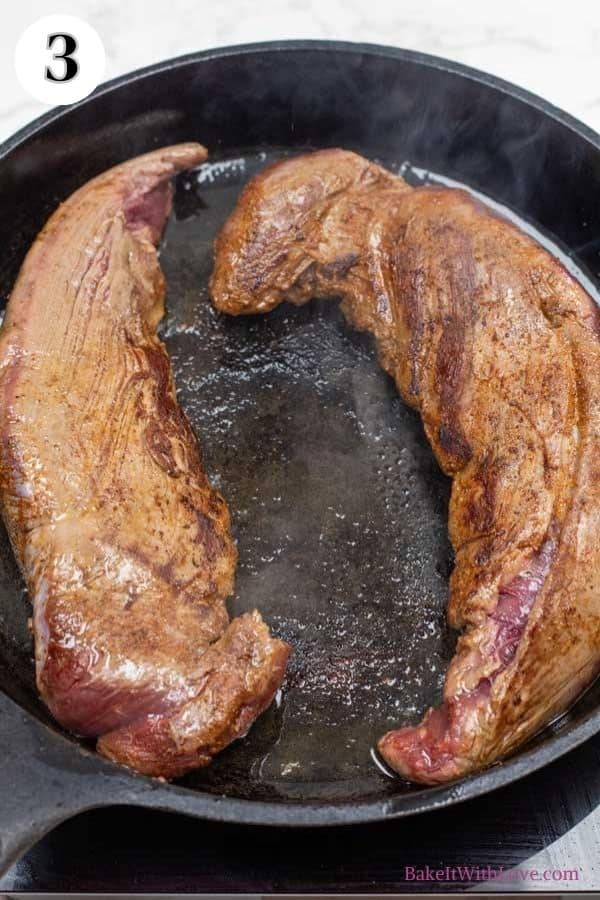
(125, 547)
(498, 347)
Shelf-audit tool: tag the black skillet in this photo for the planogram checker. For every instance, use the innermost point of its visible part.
(339, 508)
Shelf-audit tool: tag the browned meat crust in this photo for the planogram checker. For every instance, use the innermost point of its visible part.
(125, 547)
(497, 346)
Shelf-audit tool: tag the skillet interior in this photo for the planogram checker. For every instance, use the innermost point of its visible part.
(339, 508)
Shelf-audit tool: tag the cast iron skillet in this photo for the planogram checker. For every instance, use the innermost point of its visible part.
(339, 508)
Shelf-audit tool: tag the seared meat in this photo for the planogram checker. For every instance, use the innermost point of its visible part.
(125, 547)
(498, 347)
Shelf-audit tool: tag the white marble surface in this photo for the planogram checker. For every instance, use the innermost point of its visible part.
(551, 47)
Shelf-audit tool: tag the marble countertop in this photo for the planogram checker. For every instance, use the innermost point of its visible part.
(547, 46)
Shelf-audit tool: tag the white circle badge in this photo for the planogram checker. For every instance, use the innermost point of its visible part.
(59, 59)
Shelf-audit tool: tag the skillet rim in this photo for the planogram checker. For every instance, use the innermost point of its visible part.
(351, 47)
(177, 797)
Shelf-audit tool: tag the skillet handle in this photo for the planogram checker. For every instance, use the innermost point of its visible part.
(43, 781)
